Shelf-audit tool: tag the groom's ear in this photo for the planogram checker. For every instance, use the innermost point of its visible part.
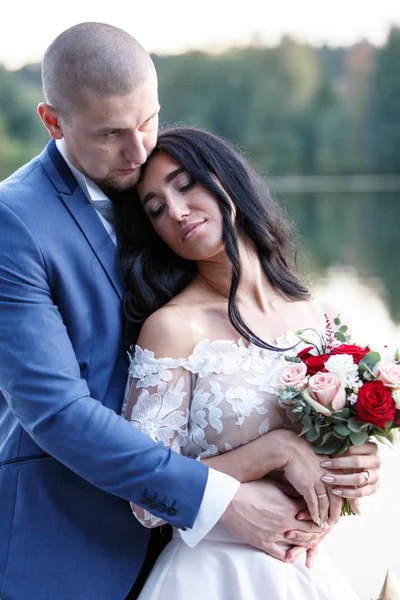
(50, 120)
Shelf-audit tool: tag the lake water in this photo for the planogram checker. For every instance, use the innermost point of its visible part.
(351, 249)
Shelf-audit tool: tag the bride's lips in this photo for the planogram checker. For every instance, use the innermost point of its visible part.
(190, 229)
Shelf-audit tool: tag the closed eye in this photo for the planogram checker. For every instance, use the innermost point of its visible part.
(155, 212)
(111, 133)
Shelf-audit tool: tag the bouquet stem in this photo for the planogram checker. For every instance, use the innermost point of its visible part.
(346, 508)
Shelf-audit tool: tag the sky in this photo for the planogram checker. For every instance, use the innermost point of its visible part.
(173, 26)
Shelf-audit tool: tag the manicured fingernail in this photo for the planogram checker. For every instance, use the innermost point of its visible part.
(291, 535)
(330, 524)
(328, 478)
(337, 492)
(326, 463)
(318, 522)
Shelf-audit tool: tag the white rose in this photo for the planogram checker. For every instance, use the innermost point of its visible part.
(341, 363)
(396, 398)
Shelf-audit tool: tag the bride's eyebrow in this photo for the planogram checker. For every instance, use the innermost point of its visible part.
(168, 178)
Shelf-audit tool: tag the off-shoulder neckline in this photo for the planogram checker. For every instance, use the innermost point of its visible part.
(282, 342)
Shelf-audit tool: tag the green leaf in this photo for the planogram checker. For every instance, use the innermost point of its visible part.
(307, 424)
(343, 414)
(312, 435)
(293, 359)
(359, 437)
(343, 448)
(342, 430)
(340, 336)
(343, 328)
(326, 437)
(336, 320)
(369, 361)
(330, 447)
(354, 425)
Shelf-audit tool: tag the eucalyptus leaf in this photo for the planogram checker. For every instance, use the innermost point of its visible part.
(293, 359)
(312, 435)
(326, 437)
(336, 320)
(343, 414)
(343, 328)
(354, 425)
(329, 447)
(359, 437)
(342, 430)
(304, 430)
(340, 336)
(343, 448)
(369, 361)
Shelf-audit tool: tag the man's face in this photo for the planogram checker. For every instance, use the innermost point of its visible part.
(110, 138)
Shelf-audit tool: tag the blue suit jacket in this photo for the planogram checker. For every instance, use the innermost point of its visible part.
(68, 462)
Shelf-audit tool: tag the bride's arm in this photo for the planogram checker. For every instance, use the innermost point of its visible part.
(310, 474)
(158, 393)
(284, 449)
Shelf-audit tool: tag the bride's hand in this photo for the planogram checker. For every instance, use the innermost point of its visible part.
(304, 472)
(355, 474)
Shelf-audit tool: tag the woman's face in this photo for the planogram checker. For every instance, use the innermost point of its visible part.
(183, 213)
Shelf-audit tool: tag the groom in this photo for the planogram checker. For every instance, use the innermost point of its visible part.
(69, 463)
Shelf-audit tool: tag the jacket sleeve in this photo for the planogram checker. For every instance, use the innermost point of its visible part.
(40, 379)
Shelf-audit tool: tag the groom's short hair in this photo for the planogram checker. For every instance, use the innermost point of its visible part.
(90, 56)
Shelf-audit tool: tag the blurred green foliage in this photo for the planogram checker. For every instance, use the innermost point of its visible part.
(294, 109)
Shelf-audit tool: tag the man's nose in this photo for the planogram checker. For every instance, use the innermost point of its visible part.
(134, 151)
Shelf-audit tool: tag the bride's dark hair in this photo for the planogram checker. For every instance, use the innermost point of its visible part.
(154, 273)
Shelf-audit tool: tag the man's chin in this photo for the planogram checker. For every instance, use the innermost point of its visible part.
(119, 184)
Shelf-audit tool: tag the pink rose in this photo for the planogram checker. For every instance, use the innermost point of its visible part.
(326, 388)
(294, 376)
(390, 376)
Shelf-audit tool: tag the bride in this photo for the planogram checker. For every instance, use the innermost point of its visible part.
(206, 252)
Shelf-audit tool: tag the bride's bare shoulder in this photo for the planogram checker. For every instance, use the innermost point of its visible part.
(169, 332)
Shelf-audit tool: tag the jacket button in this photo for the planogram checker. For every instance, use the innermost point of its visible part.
(172, 511)
(144, 498)
(162, 506)
(153, 503)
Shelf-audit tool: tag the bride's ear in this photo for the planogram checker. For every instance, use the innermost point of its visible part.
(50, 120)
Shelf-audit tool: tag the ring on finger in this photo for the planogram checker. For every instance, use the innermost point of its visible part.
(366, 474)
(323, 495)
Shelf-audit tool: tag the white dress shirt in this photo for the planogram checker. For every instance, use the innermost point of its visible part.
(220, 487)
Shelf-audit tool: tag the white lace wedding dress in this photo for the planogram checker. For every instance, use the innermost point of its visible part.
(219, 397)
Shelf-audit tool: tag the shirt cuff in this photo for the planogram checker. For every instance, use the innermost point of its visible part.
(219, 491)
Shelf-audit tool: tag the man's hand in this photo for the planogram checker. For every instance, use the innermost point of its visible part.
(264, 517)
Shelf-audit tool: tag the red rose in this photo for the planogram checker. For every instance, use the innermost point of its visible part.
(314, 364)
(357, 352)
(375, 404)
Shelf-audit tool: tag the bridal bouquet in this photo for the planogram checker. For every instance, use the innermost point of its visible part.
(341, 393)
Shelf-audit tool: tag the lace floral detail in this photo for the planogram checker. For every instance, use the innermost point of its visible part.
(158, 415)
(216, 399)
(243, 402)
(149, 371)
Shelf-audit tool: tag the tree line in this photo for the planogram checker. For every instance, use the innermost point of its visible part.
(292, 108)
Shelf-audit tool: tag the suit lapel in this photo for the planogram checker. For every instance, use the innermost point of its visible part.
(83, 213)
